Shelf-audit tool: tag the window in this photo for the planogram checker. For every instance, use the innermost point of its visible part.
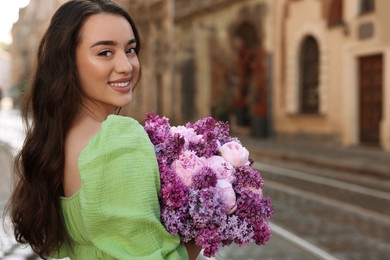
(366, 6)
(335, 14)
(309, 76)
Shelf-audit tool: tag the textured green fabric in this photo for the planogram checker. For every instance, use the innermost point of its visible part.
(116, 213)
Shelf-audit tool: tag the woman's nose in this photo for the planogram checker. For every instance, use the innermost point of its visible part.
(123, 64)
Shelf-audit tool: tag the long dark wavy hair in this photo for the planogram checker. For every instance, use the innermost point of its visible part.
(51, 106)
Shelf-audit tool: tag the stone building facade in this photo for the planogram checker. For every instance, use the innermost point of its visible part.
(26, 34)
(204, 58)
(314, 69)
(295, 68)
(332, 70)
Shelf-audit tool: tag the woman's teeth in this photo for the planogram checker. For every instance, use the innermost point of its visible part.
(120, 85)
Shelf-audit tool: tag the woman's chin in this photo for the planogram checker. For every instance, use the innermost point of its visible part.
(125, 101)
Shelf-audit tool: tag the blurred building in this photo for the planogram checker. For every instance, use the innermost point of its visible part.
(204, 58)
(331, 70)
(26, 34)
(313, 69)
(4, 73)
(297, 68)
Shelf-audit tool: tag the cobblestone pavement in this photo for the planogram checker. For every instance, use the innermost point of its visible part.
(344, 234)
(346, 220)
(277, 248)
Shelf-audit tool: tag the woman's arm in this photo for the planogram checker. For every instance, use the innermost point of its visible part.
(193, 250)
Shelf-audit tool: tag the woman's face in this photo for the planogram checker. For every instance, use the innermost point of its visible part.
(107, 64)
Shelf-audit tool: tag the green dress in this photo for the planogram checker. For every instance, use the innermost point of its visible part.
(116, 212)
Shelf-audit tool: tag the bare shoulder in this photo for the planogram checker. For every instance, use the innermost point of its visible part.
(78, 137)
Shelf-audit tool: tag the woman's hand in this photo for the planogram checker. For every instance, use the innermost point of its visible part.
(193, 250)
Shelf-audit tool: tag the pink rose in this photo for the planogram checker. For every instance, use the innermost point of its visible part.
(223, 169)
(186, 166)
(234, 153)
(228, 195)
(188, 134)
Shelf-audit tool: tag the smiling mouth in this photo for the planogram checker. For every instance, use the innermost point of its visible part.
(120, 84)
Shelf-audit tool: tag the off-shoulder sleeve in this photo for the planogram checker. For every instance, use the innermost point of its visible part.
(119, 194)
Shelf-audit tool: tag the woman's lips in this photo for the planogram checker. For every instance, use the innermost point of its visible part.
(121, 85)
(120, 80)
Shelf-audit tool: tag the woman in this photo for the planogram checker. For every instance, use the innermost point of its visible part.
(88, 179)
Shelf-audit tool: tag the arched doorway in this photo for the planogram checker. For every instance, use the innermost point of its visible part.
(246, 41)
(252, 94)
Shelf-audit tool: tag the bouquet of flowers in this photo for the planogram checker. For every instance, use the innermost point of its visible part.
(209, 191)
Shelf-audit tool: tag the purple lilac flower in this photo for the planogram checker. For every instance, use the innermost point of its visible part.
(206, 207)
(267, 210)
(262, 232)
(248, 177)
(222, 130)
(236, 230)
(202, 126)
(209, 239)
(173, 192)
(174, 219)
(212, 145)
(214, 134)
(157, 128)
(172, 147)
(207, 147)
(248, 205)
(205, 178)
(188, 231)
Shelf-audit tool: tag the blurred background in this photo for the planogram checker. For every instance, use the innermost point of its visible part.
(305, 84)
(312, 69)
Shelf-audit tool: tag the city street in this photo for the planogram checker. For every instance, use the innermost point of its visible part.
(11, 138)
(303, 85)
(347, 220)
(319, 213)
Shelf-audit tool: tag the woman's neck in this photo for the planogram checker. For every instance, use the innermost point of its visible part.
(97, 112)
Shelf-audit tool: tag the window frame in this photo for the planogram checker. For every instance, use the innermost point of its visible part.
(309, 76)
(366, 6)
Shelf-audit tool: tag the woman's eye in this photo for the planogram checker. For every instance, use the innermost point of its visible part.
(131, 51)
(105, 53)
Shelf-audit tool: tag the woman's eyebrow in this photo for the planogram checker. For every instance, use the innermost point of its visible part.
(113, 43)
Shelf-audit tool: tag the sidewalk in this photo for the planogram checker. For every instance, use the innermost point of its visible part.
(5, 174)
(362, 160)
